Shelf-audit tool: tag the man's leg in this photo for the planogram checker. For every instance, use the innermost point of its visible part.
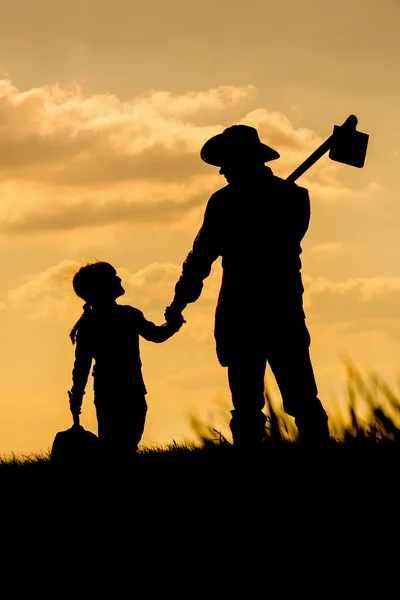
(290, 362)
(246, 373)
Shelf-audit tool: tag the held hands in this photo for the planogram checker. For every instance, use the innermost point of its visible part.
(173, 317)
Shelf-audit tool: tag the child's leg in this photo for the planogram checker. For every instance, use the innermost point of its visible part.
(120, 425)
(135, 413)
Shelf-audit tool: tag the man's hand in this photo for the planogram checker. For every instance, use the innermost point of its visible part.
(176, 323)
(173, 314)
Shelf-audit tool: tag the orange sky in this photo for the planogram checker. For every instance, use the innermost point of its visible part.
(104, 107)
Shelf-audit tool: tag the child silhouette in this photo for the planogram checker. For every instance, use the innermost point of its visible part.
(108, 333)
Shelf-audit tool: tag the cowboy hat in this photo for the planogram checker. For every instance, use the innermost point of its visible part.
(236, 142)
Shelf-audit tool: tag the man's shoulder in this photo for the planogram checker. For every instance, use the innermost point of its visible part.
(289, 186)
(218, 200)
(225, 194)
(220, 194)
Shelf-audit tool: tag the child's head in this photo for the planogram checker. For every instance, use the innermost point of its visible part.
(97, 283)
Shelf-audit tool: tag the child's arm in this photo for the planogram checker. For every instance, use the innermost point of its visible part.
(80, 373)
(159, 333)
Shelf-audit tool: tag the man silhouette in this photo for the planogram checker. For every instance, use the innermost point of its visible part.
(256, 224)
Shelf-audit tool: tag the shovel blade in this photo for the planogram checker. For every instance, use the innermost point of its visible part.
(348, 146)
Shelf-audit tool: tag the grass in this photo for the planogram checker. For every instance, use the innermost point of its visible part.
(369, 429)
(179, 484)
(203, 512)
(195, 510)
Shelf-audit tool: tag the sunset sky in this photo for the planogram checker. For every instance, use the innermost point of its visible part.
(104, 107)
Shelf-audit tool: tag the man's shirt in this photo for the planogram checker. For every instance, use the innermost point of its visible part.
(257, 229)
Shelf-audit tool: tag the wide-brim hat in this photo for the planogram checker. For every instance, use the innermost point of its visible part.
(236, 143)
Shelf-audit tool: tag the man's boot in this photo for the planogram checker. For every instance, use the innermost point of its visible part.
(313, 430)
(248, 430)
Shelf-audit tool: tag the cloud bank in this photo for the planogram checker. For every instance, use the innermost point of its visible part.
(72, 159)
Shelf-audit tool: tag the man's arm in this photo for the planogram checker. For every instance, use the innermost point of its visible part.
(198, 263)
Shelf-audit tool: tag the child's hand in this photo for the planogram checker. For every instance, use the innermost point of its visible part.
(177, 322)
(75, 403)
(173, 313)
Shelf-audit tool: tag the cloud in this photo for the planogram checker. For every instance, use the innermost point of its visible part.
(150, 288)
(189, 104)
(90, 213)
(153, 286)
(294, 146)
(358, 300)
(359, 303)
(67, 135)
(62, 134)
(73, 158)
(47, 294)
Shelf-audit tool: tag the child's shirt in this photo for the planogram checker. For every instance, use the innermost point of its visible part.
(111, 339)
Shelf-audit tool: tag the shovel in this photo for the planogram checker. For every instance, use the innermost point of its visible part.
(75, 447)
(346, 145)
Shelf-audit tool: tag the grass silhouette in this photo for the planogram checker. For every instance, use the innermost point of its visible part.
(370, 428)
(221, 501)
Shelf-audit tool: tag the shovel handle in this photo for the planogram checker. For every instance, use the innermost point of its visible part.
(350, 123)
